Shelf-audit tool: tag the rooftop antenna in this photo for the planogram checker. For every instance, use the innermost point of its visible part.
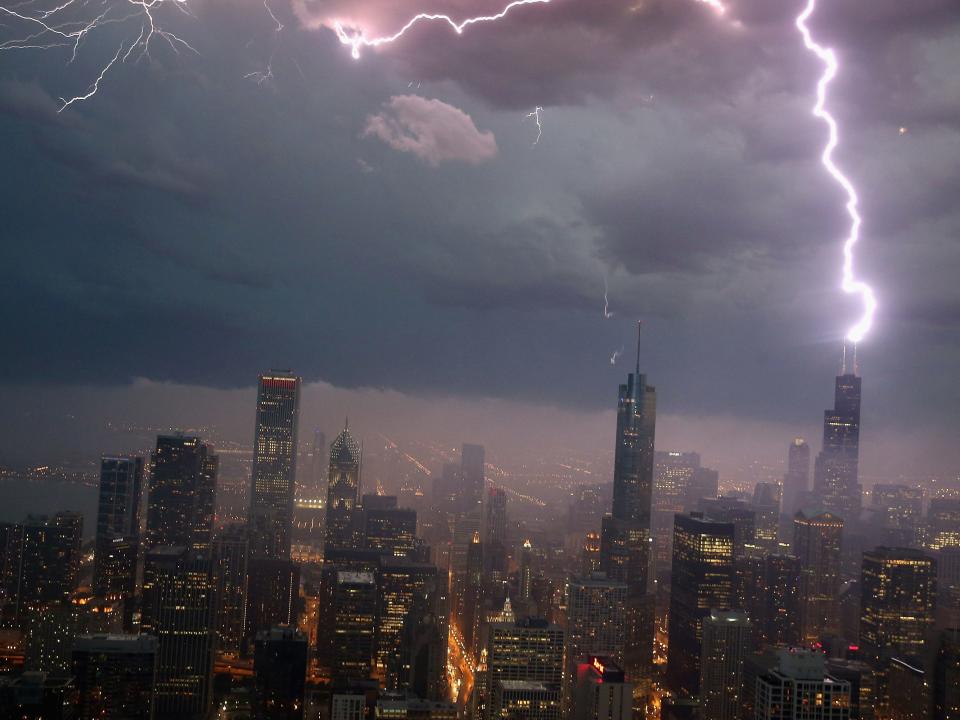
(639, 329)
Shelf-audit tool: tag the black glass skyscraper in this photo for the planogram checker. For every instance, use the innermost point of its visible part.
(836, 474)
(183, 488)
(274, 465)
(118, 526)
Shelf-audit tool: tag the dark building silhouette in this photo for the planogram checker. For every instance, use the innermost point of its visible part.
(230, 573)
(388, 529)
(702, 579)
(816, 544)
(117, 539)
(796, 482)
(273, 594)
(781, 617)
(402, 587)
(47, 559)
(836, 482)
(114, 676)
(274, 465)
(280, 672)
(178, 607)
(946, 676)
(472, 473)
(183, 487)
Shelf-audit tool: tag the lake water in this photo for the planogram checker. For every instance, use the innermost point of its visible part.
(19, 496)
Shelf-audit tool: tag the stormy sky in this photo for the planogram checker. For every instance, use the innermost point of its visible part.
(388, 228)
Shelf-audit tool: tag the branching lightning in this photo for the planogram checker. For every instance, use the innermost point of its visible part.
(536, 116)
(356, 40)
(850, 284)
(63, 26)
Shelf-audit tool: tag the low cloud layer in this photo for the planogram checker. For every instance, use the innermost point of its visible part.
(430, 129)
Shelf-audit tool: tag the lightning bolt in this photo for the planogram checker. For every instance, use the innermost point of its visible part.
(356, 40)
(607, 312)
(536, 116)
(59, 26)
(615, 356)
(850, 284)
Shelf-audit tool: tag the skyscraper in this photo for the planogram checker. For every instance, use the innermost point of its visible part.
(898, 602)
(280, 671)
(836, 474)
(472, 474)
(816, 544)
(625, 533)
(495, 529)
(343, 494)
(231, 551)
(183, 488)
(353, 626)
(702, 579)
(274, 465)
(273, 594)
(766, 505)
(401, 584)
(726, 643)
(946, 676)
(796, 483)
(178, 610)
(115, 676)
(48, 562)
(529, 650)
(781, 617)
(387, 528)
(600, 690)
(319, 464)
(118, 526)
(596, 613)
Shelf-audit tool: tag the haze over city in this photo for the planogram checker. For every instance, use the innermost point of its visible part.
(480, 359)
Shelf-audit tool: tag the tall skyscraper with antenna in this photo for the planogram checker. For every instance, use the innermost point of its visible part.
(625, 533)
(836, 472)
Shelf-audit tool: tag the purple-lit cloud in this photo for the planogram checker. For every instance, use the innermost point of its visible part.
(430, 129)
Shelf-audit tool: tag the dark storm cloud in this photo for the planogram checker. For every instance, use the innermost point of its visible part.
(191, 225)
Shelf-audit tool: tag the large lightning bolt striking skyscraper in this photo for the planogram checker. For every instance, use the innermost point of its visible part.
(850, 283)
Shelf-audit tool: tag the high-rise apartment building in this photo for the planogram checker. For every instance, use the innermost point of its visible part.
(898, 602)
(596, 614)
(178, 609)
(836, 483)
(800, 688)
(702, 579)
(343, 494)
(796, 482)
(725, 645)
(114, 676)
(183, 488)
(274, 471)
(816, 544)
(118, 526)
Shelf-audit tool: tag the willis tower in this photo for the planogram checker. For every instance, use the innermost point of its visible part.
(625, 534)
(836, 473)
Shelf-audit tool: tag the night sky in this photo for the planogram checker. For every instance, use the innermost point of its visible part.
(388, 222)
